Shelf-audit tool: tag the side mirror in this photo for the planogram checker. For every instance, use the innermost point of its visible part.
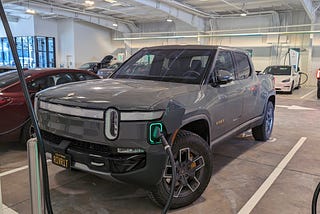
(258, 72)
(224, 77)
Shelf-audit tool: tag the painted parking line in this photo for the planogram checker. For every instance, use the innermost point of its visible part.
(13, 171)
(304, 96)
(16, 170)
(7, 210)
(3, 208)
(248, 207)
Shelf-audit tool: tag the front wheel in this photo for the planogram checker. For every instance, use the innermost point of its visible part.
(193, 161)
(292, 88)
(263, 131)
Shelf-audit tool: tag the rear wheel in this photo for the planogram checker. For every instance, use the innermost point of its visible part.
(27, 132)
(193, 160)
(263, 131)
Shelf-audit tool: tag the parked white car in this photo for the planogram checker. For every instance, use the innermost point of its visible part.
(287, 78)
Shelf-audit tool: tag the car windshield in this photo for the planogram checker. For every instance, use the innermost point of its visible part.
(8, 78)
(169, 65)
(278, 70)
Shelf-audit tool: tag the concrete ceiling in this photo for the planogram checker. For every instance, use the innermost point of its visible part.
(127, 14)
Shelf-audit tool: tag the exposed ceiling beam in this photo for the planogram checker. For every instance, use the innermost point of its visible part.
(187, 17)
(233, 5)
(80, 15)
(308, 7)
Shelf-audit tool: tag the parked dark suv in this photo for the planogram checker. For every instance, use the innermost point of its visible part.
(196, 95)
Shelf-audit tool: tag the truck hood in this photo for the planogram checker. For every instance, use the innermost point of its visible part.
(123, 94)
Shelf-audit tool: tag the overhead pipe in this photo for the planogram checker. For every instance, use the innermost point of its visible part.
(226, 30)
(218, 35)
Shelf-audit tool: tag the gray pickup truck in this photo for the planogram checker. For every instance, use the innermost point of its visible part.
(196, 95)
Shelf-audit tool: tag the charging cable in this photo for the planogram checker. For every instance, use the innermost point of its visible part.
(315, 199)
(168, 150)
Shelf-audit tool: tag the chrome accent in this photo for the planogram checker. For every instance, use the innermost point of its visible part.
(136, 115)
(130, 150)
(74, 111)
(112, 123)
(96, 164)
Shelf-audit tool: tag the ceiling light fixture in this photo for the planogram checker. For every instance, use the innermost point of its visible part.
(30, 11)
(110, 1)
(243, 14)
(169, 20)
(89, 3)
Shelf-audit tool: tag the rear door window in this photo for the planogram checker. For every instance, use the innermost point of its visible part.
(41, 83)
(243, 66)
(224, 62)
(63, 78)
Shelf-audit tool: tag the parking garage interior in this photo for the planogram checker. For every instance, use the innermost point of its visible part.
(279, 175)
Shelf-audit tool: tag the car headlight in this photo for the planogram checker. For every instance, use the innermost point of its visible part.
(286, 80)
(113, 118)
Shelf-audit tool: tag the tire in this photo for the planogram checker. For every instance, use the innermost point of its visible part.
(299, 86)
(198, 170)
(27, 132)
(292, 88)
(263, 131)
(318, 91)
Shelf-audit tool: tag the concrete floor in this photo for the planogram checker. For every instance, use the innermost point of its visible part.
(241, 166)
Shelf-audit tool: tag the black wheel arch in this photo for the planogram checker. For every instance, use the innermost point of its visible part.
(199, 125)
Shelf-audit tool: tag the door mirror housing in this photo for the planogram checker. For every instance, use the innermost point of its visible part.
(258, 72)
(224, 77)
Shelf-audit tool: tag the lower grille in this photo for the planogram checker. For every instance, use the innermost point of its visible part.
(116, 162)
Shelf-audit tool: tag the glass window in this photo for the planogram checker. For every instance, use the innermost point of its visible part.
(224, 62)
(8, 78)
(25, 49)
(83, 76)
(243, 66)
(171, 65)
(63, 78)
(278, 70)
(1, 53)
(41, 83)
(7, 54)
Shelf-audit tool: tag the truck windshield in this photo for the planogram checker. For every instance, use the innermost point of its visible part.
(170, 65)
(278, 70)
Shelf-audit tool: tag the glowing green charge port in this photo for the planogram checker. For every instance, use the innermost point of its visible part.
(153, 133)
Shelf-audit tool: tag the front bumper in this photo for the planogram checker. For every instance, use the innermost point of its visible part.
(83, 140)
(285, 87)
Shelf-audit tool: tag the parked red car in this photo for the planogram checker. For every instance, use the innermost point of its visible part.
(15, 122)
